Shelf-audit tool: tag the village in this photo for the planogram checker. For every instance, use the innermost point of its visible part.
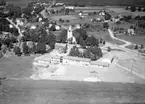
(72, 51)
(69, 37)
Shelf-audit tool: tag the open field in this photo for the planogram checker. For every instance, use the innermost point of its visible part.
(70, 92)
(134, 39)
(13, 66)
(73, 19)
(135, 64)
(105, 36)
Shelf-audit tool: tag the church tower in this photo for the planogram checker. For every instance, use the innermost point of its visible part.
(69, 34)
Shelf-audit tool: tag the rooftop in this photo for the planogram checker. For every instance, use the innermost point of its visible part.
(76, 58)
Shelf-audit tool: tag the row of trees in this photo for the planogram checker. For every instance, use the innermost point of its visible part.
(135, 8)
(93, 53)
(26, 50)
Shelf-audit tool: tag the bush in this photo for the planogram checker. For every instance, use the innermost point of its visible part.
(104, 42)
(136, 47)
(67, 21)
(142, 46)
(109, 49)
(41, 48)
(17, 51)
(25, 49)
(34, 48)
(118, 22)
(133, 9)
(106, 25)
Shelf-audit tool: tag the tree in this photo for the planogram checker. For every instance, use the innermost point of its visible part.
(52, 28)
(0, 43)
(92, 41)
(25, 48)
(86, 54)
(107, 16)
(109, 49)
(65, 48)
(93, 57)
(142, 46)
(101, 40)
(96, 51)
(136, 46)
(2, 2)
(17, 51)
(139, 9)
(74, 51)
(82, 42)
(66, 11)
(104, 42)
(137, 17)
(41, 48)
(14, 11)
(83, 33)
(50, 39)
(133, 8)
(126, 8)
(63, 36)
(34, 48)
(88, 41)
(106, 25)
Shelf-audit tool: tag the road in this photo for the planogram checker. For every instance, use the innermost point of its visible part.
(61, 92)
(113, 37)
(123, 47)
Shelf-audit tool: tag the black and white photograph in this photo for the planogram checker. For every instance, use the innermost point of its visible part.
(72, 51)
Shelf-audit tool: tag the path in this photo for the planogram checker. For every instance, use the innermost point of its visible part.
(113, 37)
(127, 50)
(16, 26)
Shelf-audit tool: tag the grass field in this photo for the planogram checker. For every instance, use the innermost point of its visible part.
(134, 39)
(87, 2)
(13, 65)
(105, 36)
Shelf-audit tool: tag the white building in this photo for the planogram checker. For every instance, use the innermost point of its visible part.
(20, 21)
(131, 31)
(76, 61)
(70, 7)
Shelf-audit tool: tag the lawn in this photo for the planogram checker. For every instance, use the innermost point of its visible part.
(10, 66)
(105, 36)
(134, 39)
(73, 19)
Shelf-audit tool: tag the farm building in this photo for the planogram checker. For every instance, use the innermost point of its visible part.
(70, 7)
(131, 32)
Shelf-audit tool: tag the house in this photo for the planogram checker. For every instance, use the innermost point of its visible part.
(102, 13)
(20, 21)
(131, 31)
(59, 4)
(70, 7)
